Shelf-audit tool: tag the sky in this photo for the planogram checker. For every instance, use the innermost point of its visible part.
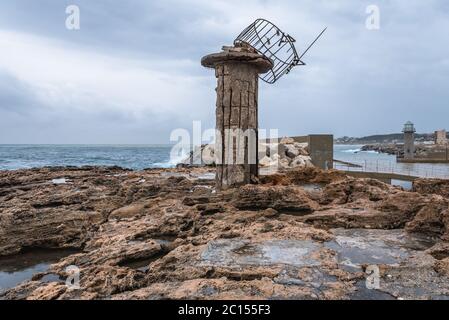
(131, 74)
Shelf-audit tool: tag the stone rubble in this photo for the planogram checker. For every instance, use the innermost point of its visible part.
(285, 154)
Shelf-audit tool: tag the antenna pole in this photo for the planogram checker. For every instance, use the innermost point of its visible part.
(313, 43)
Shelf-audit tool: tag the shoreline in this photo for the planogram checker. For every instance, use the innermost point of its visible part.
(167, 233)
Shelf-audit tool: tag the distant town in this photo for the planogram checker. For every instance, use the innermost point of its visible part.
(387, 138)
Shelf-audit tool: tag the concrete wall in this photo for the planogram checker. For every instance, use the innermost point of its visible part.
(321, 148)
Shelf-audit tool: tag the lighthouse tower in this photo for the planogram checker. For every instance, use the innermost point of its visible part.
(409, 140)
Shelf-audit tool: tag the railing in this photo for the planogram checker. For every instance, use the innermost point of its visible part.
(423, 170)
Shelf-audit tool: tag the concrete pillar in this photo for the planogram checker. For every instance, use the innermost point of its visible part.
(237, 71)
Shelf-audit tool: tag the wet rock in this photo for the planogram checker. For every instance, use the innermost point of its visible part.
(432, 219)
(439, 251)
(194, 200)
(432, 186)
(287, 140)
(210, 209)
(350, 218)
(164, 234)
(351, 190)
(442, 267)
(300, 176)
(128, 211)
(284, 163)
(291, 151)
(45, 228)
(265, 161)
(301, 161)
(49, 291)
(243, 252)
(270, 212)
(280, 198)
(303, 148)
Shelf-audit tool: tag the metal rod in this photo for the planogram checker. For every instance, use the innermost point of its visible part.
(256, 35)
(313, 43)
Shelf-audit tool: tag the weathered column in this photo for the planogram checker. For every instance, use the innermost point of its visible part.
(237, 70)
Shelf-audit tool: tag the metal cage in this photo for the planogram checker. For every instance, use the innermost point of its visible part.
(274, 44)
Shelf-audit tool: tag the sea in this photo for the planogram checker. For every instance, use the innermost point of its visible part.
(138, 157)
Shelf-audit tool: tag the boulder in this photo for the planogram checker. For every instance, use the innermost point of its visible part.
(291, 151)
(264, 149)
(208, 155)
(432, 186)
(301, 162)
(284, 163)
(303, 148)
(281, 150)
(287, 140)
(265, 161)
(432, 219)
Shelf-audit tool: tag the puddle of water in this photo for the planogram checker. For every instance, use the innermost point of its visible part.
(172, 174)
(237, 252)
(356, 247)
(51, 278)
(313, 277)
(206, 176)
(19, 268)
(407, 185)
(363, 293)
(441, 297)
(312, 186)
(142, 264)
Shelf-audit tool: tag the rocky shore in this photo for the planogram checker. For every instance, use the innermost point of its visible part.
(392, 149)
(167, 234)
(421, 150)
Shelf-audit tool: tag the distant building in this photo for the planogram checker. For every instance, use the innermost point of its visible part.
(441, 137)
(409, 140)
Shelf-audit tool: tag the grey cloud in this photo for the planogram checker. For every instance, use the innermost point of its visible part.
(15, 96)
(357, 82)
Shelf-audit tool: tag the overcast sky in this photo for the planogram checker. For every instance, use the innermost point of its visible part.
(132, 73)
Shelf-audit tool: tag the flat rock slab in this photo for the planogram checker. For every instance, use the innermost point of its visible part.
(357, 247)
(237, 252)
(354, 248)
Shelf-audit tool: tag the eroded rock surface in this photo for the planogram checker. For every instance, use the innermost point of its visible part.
(432, 186)
(158, 234)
